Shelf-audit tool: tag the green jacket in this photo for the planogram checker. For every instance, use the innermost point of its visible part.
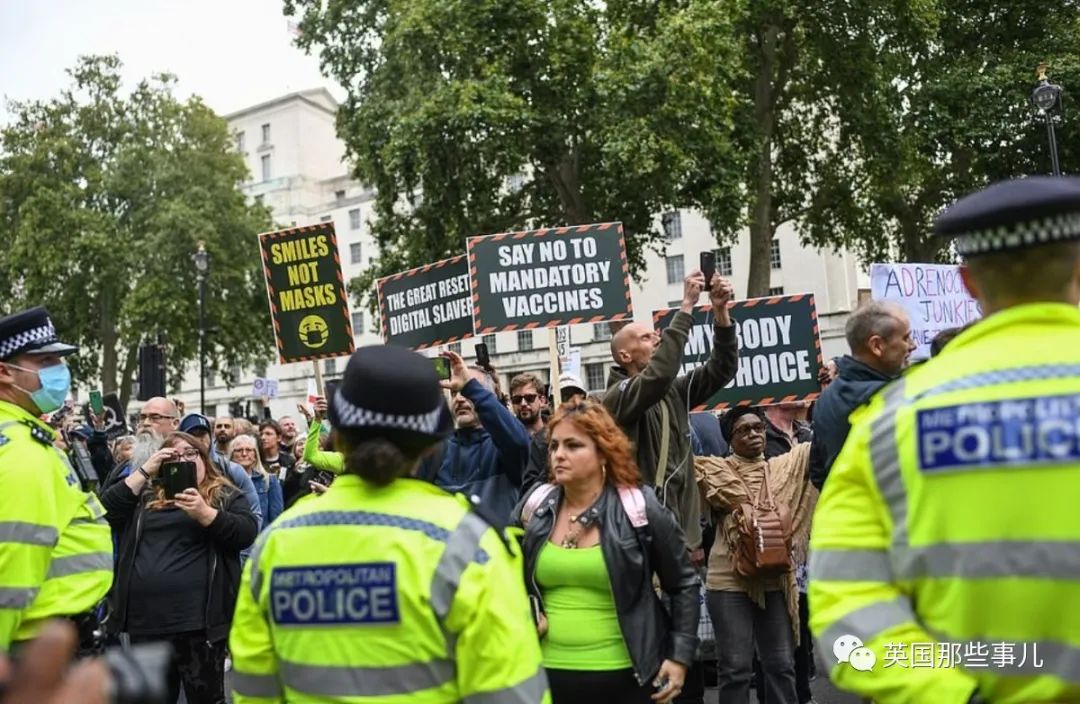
(635, 403)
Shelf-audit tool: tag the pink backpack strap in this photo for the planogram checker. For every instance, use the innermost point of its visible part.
(537, 497)
(633, 503)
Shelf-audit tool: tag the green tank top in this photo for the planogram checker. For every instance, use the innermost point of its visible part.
(583, 626)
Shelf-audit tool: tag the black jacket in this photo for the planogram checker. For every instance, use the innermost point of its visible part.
(853, 387)
(777, 441)
(632, 556)
(232, 530)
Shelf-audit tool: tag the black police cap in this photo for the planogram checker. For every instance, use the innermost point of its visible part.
(393, 393)
(30, 332)
(1014, 214)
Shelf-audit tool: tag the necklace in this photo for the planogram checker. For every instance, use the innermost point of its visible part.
(577, 527)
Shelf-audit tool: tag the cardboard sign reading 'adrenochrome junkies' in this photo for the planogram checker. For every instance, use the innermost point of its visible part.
(547, 278)
(427, 306)
(779, 350)
(307, 293)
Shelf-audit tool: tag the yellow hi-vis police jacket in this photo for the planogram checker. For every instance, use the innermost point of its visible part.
(947, 537)
(393, 594)
(55, 547)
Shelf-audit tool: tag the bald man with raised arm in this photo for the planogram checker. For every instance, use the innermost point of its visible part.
(645, 388)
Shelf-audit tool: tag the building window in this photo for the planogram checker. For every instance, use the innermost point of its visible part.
(266, 133)
(330, 367)
(354, 219)
(454, 347)
(774, 253)
(240, 142)
(489, 340)
(525, 340)
(326, 218)
(594, 377)
(357, 323)
(259, 198)
(723, 261)
(776, 291)
(233, 377)
(672, 225)
(601, 332)
(676, 270)
(210, 411)
(266, 167)
(339, 195)
(356, 251)
(210, 377)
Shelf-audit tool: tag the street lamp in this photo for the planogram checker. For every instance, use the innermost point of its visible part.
(202, 267)
(1046, 98)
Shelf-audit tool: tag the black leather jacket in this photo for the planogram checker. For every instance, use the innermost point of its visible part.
(650, 633)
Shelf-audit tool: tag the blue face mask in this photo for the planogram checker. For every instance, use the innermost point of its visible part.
(55, 385)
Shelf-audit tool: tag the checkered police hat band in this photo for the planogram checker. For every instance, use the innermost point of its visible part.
(1057, 228)
(351, 416)
(26, 338)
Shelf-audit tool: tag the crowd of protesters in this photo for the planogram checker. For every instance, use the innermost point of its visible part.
(628, 501)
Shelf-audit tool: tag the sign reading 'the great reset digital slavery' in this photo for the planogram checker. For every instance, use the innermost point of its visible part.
(550, 277)
(779, 350)
(427, 306)
(307, 293)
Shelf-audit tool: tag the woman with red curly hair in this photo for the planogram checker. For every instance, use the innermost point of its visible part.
(594, 539)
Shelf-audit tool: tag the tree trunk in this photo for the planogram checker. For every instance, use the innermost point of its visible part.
(107, 334)
(761, 170)
(564, 177)
(128, 378)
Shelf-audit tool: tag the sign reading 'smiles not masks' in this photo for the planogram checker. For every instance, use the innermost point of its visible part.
(307, 296)
(550, 277)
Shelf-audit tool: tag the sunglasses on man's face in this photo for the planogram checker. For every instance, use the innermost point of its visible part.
(527, 398)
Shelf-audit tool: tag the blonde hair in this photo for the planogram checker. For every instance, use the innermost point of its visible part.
(212, 488)
(258, 468)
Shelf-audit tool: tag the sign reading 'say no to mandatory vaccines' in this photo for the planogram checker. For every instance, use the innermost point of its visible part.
(427, 306)
(779, 350)
(307, 293)
(550, 277)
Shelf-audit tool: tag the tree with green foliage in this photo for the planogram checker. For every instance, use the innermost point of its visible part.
(929, 101)
(103, 198)
(493, 115)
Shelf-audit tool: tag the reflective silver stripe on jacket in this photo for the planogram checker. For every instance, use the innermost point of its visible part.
(249, 685)
(459, 552)
(17, 597)
(866, 623)
(531, 691)
(1042, 658)
(352, 681)
(28, 533)
(77, 564)
(1035, 559)
(885, 461)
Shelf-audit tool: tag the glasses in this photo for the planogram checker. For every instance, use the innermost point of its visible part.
(153, 417)
(527, 398)
(188, 454)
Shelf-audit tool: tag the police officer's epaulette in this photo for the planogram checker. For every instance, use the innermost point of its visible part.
(45, 437)
(490, 517)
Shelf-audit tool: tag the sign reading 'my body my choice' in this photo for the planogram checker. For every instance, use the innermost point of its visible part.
(549, 277)
(932, 294)
(307, 293)
(427, 306)
(779, 350)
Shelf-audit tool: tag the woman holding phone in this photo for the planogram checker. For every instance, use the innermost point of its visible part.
(178, 561)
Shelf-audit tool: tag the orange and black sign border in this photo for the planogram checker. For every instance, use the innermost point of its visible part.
(478, 325)
(265, 238)
(384, 320)
(766, 301)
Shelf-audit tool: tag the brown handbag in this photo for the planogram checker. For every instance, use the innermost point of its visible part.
(764, 547)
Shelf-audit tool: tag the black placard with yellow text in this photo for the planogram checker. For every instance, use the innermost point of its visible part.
(307, 296)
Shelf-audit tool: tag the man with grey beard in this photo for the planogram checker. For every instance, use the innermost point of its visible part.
(158, 418)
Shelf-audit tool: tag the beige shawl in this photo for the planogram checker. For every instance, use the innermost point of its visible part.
(719, 479)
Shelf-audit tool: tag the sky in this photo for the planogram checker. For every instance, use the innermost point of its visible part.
(233, 53)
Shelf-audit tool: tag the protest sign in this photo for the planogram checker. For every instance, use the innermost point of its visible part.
(932, 294)
(306, 290)
(426, 306)
(548, 278)
(779, 350)
(115, 425)
(264, 387)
